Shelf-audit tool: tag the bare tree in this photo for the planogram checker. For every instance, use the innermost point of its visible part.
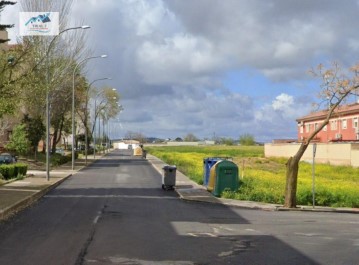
(54, 60)
(337, 86)
(106, 104)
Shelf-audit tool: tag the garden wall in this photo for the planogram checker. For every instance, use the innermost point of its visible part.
(332, 153)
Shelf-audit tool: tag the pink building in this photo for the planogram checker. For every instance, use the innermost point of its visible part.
(343, 126)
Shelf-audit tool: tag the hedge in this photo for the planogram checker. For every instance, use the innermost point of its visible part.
(13, 170)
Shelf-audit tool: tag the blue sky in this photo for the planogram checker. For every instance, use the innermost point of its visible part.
(211, 66)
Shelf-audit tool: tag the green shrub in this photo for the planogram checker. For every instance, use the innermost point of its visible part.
(8, 171)
(20, 169)
(58, 159)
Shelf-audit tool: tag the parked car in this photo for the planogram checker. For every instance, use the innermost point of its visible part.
(6, 158)
(60, 151)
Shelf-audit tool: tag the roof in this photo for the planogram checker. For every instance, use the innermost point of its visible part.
(340, 111)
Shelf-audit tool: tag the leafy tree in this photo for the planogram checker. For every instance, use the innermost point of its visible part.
(337, 85)
(35, 130)
(227, 141)
(18, 140)
(9, 71)
(190, 138)
(246, 139)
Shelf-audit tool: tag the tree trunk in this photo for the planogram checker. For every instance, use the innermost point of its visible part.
(290, 200)
(291, 183)
(54, 142)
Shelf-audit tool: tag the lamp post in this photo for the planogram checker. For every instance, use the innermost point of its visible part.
(94, 137)
(86, 148)
(73, 104)
(48, 98)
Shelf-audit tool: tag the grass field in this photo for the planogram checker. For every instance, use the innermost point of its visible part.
(263, 179)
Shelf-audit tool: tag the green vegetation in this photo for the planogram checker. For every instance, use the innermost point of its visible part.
(18, 140)
(55, 159)
(189, 159)
(12, 171)
(263, 179)
(246, 139)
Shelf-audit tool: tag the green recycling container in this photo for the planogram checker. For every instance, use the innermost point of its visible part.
(226, 177)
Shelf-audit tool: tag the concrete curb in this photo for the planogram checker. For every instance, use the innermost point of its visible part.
(29, 200)
(319, 209)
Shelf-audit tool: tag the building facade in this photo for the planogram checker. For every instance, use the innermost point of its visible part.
(343, 126)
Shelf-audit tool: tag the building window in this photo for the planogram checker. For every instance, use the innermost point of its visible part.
(315, 126)
(333, 125)
(307, 128)
(344, 124)
(355, 122)
(325, 128)
(301, 129)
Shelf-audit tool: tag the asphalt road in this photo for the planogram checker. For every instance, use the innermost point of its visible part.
(115, 212)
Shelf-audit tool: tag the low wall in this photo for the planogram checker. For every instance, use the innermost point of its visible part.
(355, 155)
(182, 143)
(332, 153)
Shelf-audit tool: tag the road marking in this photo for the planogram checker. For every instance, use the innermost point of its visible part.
(225, 254)
(250, 230)
(201, 234)
(97, 217)
(120, 260)
(307, 234)
(111, 196)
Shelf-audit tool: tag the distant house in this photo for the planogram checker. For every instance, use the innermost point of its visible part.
(343, 126)
(125, 144)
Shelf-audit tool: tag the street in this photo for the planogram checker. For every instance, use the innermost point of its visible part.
(115, 212)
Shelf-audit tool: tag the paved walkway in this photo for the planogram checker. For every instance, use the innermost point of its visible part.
(16, 195)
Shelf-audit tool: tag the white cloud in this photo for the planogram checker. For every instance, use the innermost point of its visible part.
(283, 102)
(177, 60)
(167, 59)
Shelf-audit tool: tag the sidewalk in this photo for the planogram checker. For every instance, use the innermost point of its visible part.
(17, 195)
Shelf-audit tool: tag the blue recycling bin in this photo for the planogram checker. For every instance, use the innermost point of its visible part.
(207, 164)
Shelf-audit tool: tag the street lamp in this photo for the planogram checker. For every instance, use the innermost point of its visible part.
(94, 138)
(73, 104)
(48, 99)
(88, 89)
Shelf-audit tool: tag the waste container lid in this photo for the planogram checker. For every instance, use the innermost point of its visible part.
(217, 158)
(169, 167)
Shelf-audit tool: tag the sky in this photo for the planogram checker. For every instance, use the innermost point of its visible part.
(213, 67)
